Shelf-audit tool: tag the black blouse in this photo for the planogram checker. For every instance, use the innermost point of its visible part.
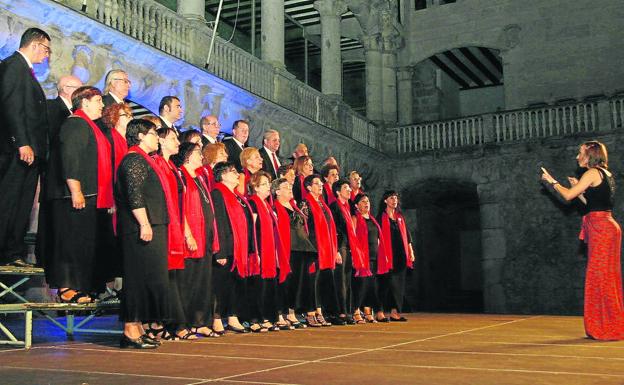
(138, 186)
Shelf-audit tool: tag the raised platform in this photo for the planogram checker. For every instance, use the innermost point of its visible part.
(429, 349)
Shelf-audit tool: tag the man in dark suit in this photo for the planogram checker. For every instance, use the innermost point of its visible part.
(210, 128)
(116, 90)
(170, 111)
(60, 107)
(23, 141)
(268, 152)
(235, 144)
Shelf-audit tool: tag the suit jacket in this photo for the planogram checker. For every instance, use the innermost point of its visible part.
(205, 140)
(234, 151)
(175, 128)
(23, 110)
(57, 113)
(267, 163)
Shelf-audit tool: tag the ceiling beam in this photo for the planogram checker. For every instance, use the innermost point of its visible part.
(492, 58)
(462, 67)
(449, 72)
(477, 63)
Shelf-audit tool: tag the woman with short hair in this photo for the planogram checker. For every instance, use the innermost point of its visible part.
(150, 240)
(303, 168)
(213, 153)
(82, 238)
(234, 226)
(201, 241)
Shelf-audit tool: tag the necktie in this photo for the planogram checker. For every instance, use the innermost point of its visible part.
(275, 164)
(32, 72)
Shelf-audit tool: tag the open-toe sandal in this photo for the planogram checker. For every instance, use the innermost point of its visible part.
(78, 295)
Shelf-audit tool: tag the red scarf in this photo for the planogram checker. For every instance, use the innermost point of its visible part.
(105, 173)
(355, 193)
(207, 174)
(268, 252)
(361, 230)
(175, 244)
(283, 238)
(304, 192)
(194, 215)
(331, 198)
(246, 185)
(238, 223)
(215, 236)
(360, 265)
(326, 239)
(385, 226)
(120, 147)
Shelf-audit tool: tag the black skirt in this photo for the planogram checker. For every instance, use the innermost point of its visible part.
(146, 294)
(79, 243)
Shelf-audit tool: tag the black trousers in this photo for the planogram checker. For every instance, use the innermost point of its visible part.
(228, 288)
(325, 289)
(18, 185)
(342, 281)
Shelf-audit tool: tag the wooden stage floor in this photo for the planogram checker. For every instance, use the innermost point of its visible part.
(429, 349)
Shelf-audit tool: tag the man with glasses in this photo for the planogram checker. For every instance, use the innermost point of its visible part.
(23, 141)
(210, 128)
(116, 90)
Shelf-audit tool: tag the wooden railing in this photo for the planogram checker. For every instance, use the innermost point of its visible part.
(160, 27)
(512, 126)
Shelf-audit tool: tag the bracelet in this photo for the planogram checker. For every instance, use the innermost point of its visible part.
(554, 183)
(145, 225)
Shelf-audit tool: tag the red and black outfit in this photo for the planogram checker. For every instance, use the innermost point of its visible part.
(300, 193)
(81, 240)
(195, 281)
(373, 246)
(397, 240)
(270, 266)
(142, 183)
(603, 308)
(296, 250)
(352, 258)
(323, 235)
(236, 243)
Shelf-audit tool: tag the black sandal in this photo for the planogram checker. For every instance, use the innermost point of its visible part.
(188, 335)
(212, 333)
(75, 298)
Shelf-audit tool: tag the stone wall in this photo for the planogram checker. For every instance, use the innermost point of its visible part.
(550, 49)
(531, 262)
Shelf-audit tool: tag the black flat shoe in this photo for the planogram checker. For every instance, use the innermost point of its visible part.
(401, 319)
(237, 330)
(385, 319)
(337, 321)
(128, 343)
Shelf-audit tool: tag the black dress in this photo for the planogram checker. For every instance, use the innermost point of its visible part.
(80, 242)
(145, 273)
(195, 281)
(396, 280)
(369, 290)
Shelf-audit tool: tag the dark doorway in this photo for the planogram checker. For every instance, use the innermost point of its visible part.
(448, 275)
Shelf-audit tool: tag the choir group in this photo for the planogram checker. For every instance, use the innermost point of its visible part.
(207, 235)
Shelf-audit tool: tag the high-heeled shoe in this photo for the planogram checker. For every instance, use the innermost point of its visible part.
(139, 343)
(313, 322)
(322, 321)
(237, 330)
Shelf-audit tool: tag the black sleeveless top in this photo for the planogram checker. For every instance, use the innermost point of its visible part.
(600, 198)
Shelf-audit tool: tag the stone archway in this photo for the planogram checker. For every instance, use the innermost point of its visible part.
(446, 223)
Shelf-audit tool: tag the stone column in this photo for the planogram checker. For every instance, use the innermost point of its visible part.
(374, 98)
(389, 81)
(272, 37)
(404, 86)
(192, 9)
(331, 55)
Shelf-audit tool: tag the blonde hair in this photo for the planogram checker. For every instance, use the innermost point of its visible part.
(246, 154)
(109, 79)
(211, 150)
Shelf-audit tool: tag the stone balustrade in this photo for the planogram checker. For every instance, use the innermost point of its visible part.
(512, 126)
(160, 27)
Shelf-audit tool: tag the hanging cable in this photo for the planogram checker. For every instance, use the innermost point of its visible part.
(236, 20)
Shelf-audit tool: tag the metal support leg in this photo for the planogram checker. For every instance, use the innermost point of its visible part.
(28, 330)
(70, 324)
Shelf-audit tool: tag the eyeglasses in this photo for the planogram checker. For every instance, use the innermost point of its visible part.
(317, 183)
(47, 48)
(128, 82)
(70, 86)
(214, 124)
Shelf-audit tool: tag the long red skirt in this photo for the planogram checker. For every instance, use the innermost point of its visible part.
(604, 310)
